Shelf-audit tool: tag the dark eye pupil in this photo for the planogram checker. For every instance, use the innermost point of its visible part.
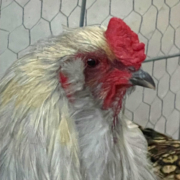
(92, 62)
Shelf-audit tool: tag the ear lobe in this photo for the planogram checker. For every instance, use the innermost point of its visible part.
(63, 80)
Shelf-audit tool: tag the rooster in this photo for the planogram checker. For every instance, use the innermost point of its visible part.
(60, 108)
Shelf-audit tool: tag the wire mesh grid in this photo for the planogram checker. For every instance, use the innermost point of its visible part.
(23, 22)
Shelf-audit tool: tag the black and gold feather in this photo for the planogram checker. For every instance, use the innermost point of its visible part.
(164, 153)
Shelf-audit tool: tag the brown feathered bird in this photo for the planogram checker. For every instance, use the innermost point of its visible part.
(60, 104)
(164, 153)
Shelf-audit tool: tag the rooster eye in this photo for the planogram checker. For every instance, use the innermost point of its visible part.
(92, 62)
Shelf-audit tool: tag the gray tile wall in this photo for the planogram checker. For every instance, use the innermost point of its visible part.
(157, 23)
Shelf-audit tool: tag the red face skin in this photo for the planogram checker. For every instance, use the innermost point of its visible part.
(108, 80)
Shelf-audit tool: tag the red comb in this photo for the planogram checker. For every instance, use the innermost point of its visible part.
(125, 43)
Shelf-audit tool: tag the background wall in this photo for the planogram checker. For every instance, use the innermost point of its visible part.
(157, 22)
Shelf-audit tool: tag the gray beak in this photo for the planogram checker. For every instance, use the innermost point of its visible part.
(142, 78)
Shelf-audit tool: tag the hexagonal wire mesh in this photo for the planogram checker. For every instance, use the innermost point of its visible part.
(157, 23)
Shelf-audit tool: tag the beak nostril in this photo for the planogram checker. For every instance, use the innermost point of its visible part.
(132, 69)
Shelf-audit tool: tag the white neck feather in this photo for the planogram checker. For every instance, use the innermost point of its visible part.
(101, 157)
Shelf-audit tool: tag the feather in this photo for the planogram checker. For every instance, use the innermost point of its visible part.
(164, 153)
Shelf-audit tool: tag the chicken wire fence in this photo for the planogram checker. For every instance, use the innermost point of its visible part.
(157, 22)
